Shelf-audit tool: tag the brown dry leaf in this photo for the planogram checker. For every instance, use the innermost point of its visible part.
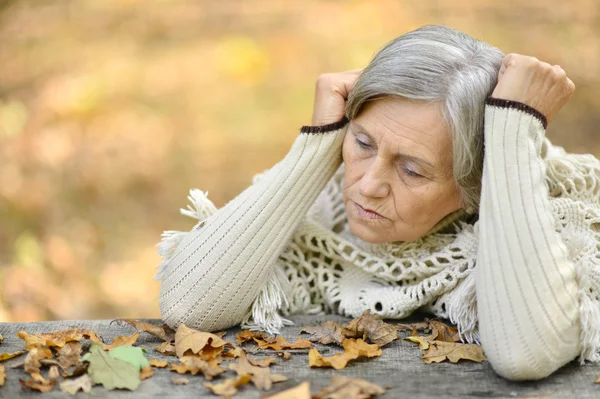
(371, 326)
(162, 331)
(301, 391)
(80, 368)
(194, 364)
(261, 377)
(264, 362)
(33, 358)
(597, 380)
(1, 338)
(285, 355)
(73, 386)
(57, 338)
(202, 343)
(233, 352)
(6, 356)
(439, 351)
(158, 363)
(353, 349)
(146, 372)
(443, 332)
(228, 387)
(53, 373)
(40, 383)
(179, 380)
(412, 326)
(69, 354)
(2, 375)
(120, 341)
(166, 348)
(423, 341)
(220, 334)
(343, 387)
(247, 335)
(282, 343)
(325, 333)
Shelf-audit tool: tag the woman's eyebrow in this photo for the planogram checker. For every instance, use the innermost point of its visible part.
(360, 129)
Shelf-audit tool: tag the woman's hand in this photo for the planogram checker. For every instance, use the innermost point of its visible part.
(331, 93)
(533, 82)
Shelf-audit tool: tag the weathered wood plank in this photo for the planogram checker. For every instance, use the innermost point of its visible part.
(399, 366)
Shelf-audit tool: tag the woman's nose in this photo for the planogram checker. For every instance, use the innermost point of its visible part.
(374, 182)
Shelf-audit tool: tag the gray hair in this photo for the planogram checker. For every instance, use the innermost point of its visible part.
(437, 64)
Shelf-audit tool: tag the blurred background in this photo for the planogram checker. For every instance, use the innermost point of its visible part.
(111, 110)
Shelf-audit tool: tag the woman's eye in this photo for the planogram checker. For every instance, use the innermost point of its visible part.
(411, 173)
(361, 144)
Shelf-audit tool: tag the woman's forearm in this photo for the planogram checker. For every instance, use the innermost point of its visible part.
(219, 268)
(527, 293)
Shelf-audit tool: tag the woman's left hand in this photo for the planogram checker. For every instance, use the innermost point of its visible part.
(533, 82)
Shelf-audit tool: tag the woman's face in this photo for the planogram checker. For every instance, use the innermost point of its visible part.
(403, 170)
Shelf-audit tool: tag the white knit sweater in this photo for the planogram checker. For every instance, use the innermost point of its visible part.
(521, 278)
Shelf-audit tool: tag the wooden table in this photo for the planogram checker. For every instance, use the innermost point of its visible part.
(399, 366)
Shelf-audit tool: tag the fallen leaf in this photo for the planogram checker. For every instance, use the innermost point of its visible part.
(6, 356)
(264, 362)
(131, 354)
(343, 387)
(443, 332)
(33, 359)
(146, 372)
(194, 364)
(179, 380)
(371, 326)
(111, 372)
(198, 342)
(439, 351)
(53, 373)
(325, 333)
(247, 335)
(423, 341)
(285, 355)
(120, 341)
(228, 387)
(353, 349)
(40, 383)
(73, 386)
(261, 377)
(69, 354)
(166, 348)
(80, 368)
(301, 391)
(282, 343)
(163, 331)
(2, 375)
(158, 363)
(1, 338)
(412, 326)
(233, 352)
(57, 338)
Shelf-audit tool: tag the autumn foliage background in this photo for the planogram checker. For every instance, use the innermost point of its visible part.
(111, 110)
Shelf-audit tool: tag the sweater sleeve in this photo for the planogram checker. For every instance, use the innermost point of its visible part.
(527, 292)
(219, 267)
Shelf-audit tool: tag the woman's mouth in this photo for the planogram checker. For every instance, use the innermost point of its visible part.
(367, 214)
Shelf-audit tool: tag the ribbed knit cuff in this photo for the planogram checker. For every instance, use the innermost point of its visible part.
(500, 102)
(325, 128)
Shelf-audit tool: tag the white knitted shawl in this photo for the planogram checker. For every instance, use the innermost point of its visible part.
(326, 269)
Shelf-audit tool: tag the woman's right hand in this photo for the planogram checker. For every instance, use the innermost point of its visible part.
(332, 91)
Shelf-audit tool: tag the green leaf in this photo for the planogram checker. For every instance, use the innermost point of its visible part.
(131, 354)
(111, 372)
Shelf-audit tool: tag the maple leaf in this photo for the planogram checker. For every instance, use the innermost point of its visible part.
(300, 391)
(440, 350)
(2, 375)
(194, 364)
(325, 333)
(282, 343)
(264, 362)
(343, 387)
(371, 326)
(57, 338)
(158, 363)
(228, 387)
(197, 341)
(111, 372)
(353, 349)
(261, 377)
(163, 331)
(166, 348)
(69, 354)
(123, 340)
(6, 356)
(73, 386)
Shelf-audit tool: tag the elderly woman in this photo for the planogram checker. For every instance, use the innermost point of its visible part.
(424, 182)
